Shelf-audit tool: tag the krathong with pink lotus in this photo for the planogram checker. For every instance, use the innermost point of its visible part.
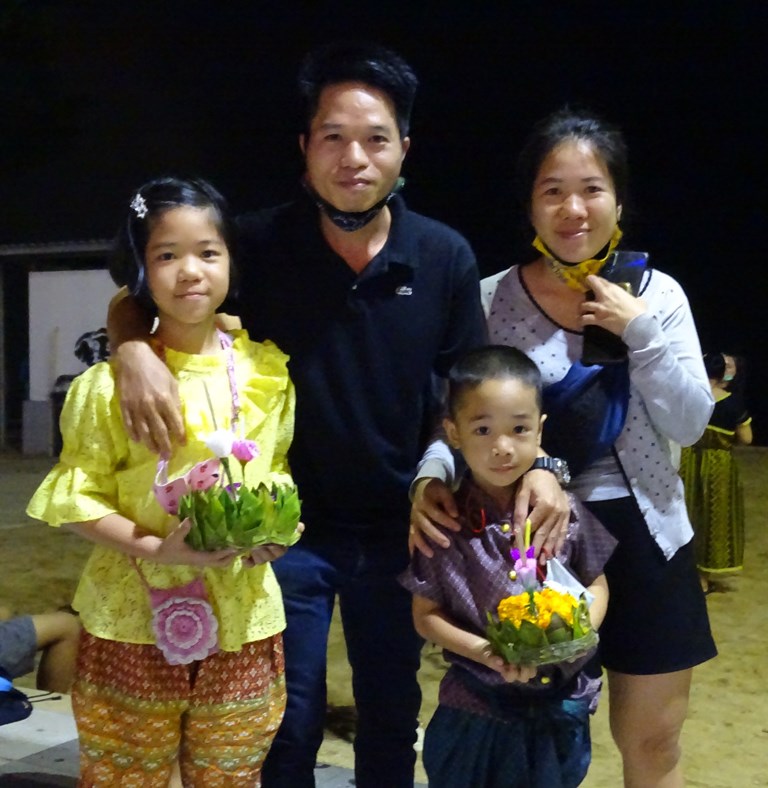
(229, 514)
(542, 623)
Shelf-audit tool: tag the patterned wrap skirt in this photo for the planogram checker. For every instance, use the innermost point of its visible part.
(715, 501)
(137, 715)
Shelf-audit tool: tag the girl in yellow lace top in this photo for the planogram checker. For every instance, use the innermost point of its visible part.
(210, 721)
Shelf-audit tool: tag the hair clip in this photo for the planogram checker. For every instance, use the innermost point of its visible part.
(139, 205)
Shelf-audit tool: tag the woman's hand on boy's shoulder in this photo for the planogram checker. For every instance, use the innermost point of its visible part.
(228, 322)
(542, 500)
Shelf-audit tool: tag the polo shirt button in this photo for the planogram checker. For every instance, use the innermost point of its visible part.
(354, 287)
(633, 481)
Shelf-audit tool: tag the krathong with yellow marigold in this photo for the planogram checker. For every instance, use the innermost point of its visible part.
(542, 624)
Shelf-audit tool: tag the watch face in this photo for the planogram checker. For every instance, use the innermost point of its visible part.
(556, 465)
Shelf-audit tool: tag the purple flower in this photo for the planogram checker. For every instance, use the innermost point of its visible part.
(245, 450)
(185, 629)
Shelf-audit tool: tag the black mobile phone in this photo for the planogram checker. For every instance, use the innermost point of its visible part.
(600, 345)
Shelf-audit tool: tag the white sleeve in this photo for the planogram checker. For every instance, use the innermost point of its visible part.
(666, 366)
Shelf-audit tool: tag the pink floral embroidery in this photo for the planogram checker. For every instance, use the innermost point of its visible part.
(185, 626)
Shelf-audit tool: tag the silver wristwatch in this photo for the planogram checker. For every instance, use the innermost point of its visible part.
(556, 465)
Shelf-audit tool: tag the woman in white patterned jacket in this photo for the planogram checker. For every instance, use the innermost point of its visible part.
(613, 422)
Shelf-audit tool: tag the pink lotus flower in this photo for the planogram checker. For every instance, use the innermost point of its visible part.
(525, 567)
(525, 561)
(245, 450)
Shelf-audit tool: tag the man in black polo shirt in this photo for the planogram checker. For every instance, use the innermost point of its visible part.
(371, 301)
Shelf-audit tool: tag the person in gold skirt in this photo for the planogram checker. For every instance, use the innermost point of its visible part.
(713, 492)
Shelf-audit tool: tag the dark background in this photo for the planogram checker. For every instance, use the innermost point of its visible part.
(99, 96)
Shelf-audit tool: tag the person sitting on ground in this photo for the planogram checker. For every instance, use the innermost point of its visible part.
(54, 634)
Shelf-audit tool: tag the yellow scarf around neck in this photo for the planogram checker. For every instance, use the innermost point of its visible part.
(575, 274)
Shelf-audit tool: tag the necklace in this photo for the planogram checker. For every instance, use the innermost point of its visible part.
(525, 568)
(226, 342)
(204, 474)
(226, 346)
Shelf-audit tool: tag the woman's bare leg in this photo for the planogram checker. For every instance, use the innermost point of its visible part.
(647, 715)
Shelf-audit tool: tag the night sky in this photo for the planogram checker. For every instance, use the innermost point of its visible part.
(98, 97)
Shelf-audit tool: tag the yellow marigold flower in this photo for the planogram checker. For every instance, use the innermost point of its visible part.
(545, 603)
(555, 602)
(514, 608)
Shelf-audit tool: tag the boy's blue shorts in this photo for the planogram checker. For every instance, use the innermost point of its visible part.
(18, 646)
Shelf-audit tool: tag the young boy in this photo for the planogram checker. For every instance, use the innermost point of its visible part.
(499, 724)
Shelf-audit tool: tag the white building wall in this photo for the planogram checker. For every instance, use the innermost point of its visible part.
(63, 305)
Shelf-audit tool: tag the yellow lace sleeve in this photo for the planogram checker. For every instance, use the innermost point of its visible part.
(281, 472)
(269, 404)
(82, 486)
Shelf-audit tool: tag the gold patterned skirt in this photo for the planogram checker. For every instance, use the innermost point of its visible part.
(715, 501)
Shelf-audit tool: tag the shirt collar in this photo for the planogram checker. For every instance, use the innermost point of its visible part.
(400, 247)
(472, 499)
(401, 244)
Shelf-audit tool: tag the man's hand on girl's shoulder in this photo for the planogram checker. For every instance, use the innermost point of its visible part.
(149, 398)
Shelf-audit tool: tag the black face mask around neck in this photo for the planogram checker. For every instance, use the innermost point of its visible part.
(349, 221)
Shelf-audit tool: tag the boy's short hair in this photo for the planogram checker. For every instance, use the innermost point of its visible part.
(491, 362)
(350, 61)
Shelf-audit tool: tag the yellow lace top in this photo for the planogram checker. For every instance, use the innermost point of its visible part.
(102, 471)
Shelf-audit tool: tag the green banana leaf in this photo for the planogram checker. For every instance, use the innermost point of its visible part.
(529, 645)
(255, 516)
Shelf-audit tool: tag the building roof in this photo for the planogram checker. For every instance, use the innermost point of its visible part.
(93, 248)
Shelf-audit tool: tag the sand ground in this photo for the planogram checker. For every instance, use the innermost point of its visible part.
(725, 740)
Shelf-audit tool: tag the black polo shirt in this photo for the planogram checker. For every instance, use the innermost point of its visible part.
(365, 349)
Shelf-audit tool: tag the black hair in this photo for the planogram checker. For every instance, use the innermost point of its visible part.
(491, 362)
(128, 263)
(371, 64)
(714, 364)
(578, 125)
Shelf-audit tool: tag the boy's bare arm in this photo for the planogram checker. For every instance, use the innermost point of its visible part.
(599, 588)
(433, 624)
(149, 397)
